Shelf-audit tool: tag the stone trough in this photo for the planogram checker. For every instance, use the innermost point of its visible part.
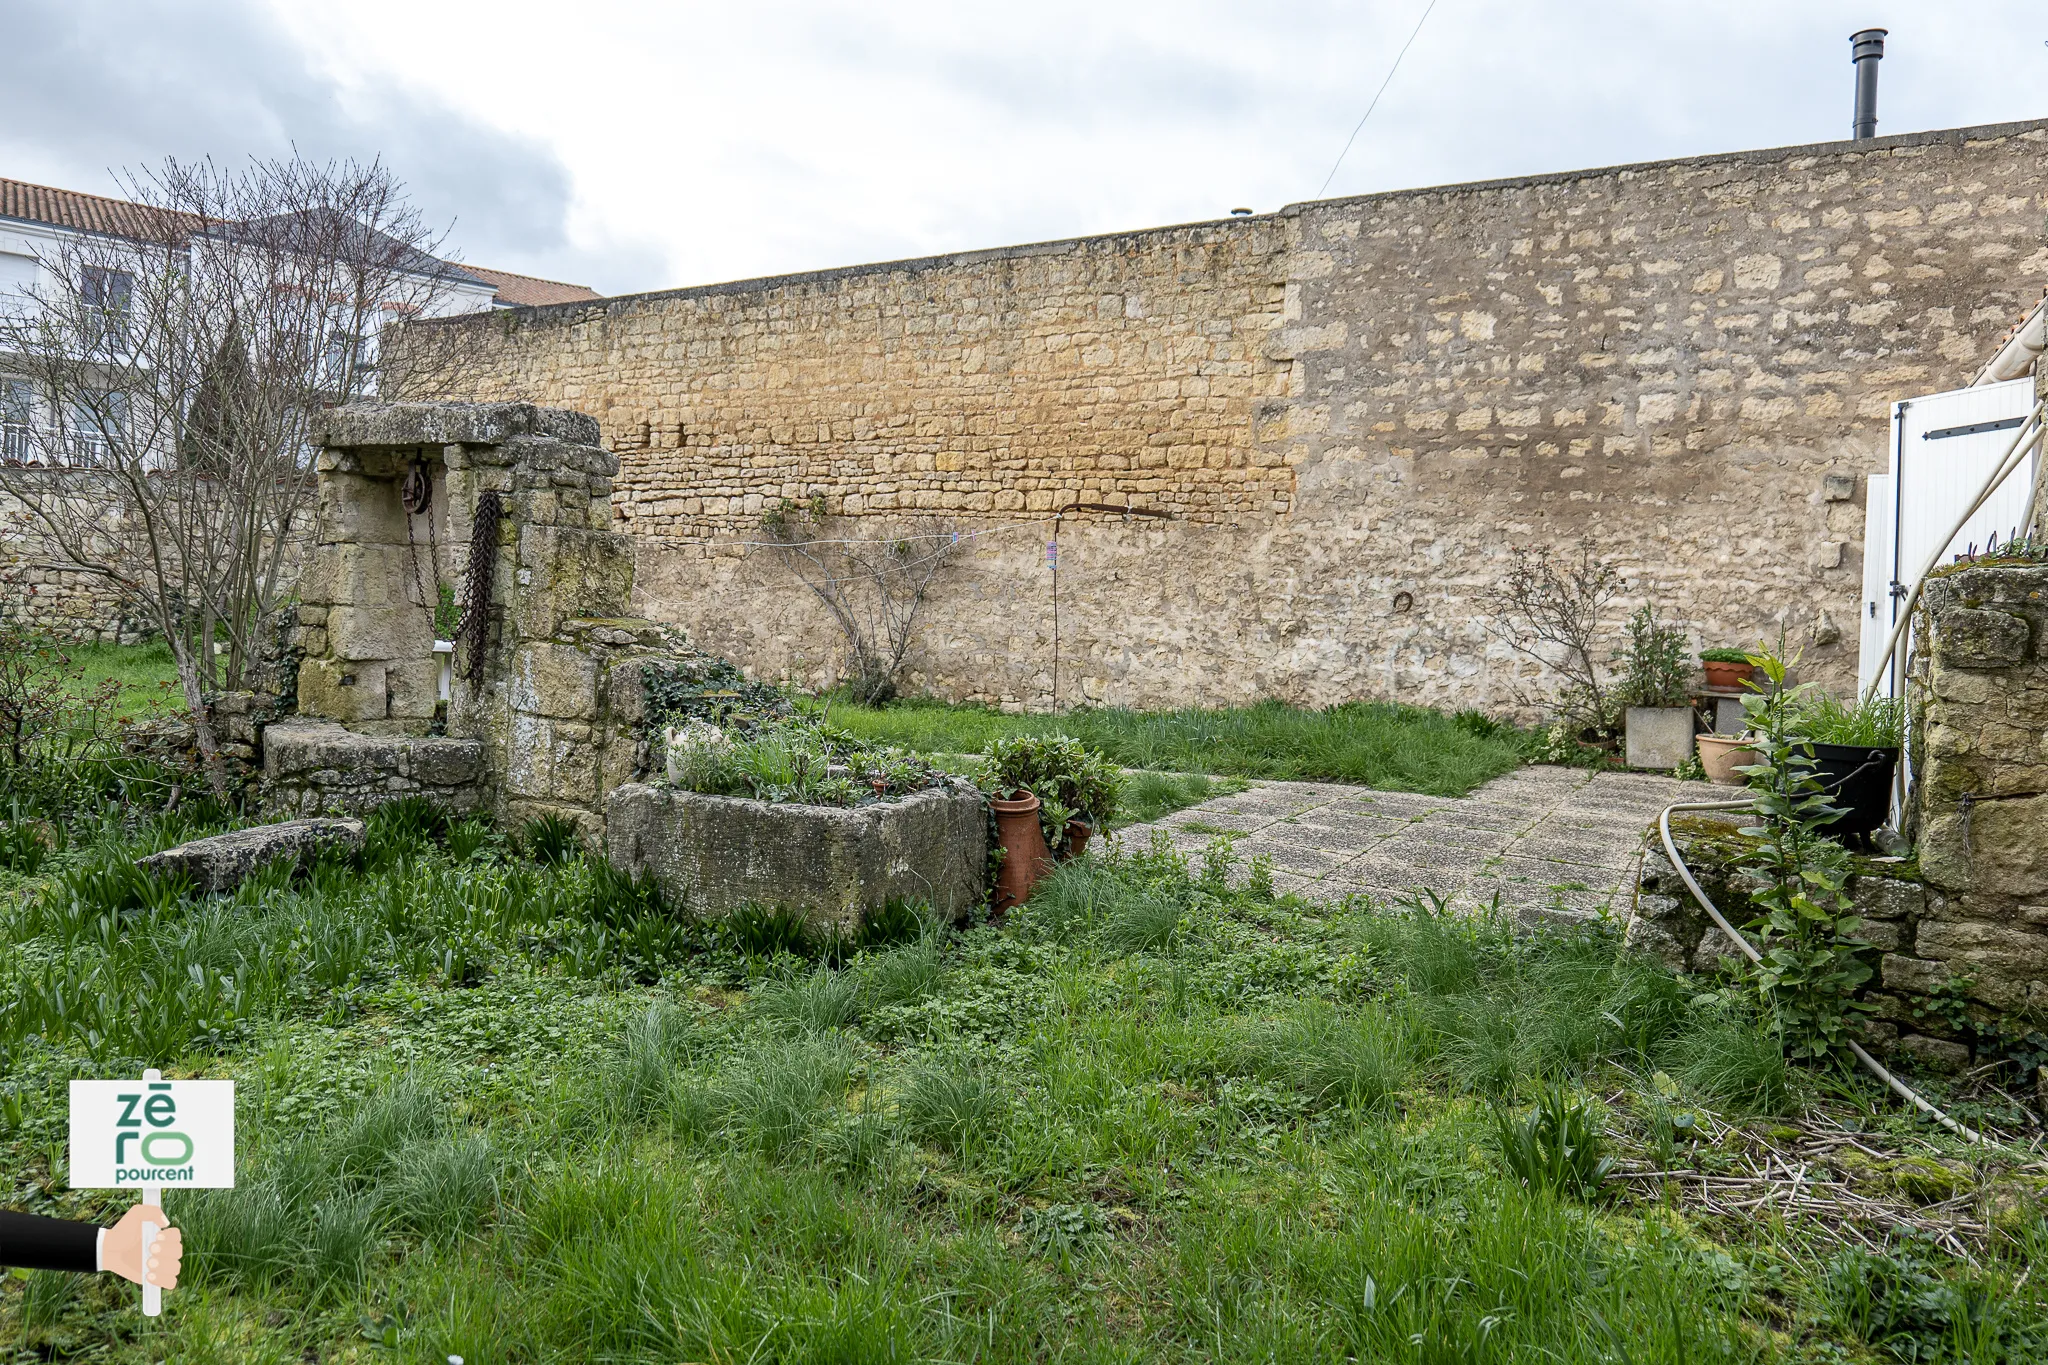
(716, 854)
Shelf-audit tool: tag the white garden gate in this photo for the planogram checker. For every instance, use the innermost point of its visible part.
(1943, 447)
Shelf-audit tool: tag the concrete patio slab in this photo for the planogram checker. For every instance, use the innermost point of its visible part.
(1552, 843)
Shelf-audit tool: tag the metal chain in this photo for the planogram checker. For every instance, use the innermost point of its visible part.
(483, 563)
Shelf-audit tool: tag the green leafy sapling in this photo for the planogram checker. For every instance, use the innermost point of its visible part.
(1807, 926)
(1655, 670)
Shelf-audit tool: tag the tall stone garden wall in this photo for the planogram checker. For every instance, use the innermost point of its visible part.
(1355, 411)
(1979, 696)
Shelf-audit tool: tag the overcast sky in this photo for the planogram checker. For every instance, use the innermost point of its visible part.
(646, 145)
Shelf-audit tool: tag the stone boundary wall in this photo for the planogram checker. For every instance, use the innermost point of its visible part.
(37, 590)
(40, 589)
(1356, 411)
(1913, 1006)
(1978, 693)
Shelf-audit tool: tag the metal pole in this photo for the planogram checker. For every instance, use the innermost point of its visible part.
(1866, 50)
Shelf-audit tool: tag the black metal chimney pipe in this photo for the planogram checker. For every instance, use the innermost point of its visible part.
(1866, 50)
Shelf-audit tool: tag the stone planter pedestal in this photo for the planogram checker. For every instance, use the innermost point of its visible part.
(1659, 736)
(715, 854)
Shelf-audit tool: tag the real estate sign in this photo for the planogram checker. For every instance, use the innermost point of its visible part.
(152, 1134)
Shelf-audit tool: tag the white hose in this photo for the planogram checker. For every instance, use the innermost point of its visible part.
(2014, 453)
(1749, 951)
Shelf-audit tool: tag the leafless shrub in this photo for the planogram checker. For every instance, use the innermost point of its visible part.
(874, 581)
(1549, 607)
(175, 364)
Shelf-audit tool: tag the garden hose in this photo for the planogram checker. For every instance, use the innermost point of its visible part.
(1749, 951)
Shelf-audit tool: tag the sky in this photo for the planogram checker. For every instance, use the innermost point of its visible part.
(635, 146)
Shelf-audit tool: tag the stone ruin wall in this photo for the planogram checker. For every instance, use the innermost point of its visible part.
(1979, 696)
(551, 716)
(40, 592)
(1355, 410)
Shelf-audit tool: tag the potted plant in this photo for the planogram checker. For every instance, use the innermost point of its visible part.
(1071, 790)
(1724, 756)
(1855, 755)
(1658, 719)
(1726, 667)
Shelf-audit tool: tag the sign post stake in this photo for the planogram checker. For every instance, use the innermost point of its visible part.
(152, 1296)
(142, 1136)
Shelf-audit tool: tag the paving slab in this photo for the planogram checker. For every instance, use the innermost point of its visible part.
(1552, 844)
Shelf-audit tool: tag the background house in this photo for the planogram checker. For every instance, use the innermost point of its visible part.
(36, 220)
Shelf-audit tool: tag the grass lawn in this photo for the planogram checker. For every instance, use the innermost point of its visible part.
(522, 1112)
(148, 678)
(1374, 744)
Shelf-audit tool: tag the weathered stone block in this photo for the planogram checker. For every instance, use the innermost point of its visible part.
(335, 689)
(222, 862)
(565, 572)
(311, 750)
(718, 853)
(554, 680)
(1935, 1054)
(1968, 637)
(435, 424)
(546, 760)
(1887, 898)
(1991, 845)
(356, 510)
(2003, 961)
(379, 632)
(414, 688)
(1913, 975)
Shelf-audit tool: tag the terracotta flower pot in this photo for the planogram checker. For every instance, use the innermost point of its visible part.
(1078, 832)
(1726, 674)
(1025, 856)
(1721, 755)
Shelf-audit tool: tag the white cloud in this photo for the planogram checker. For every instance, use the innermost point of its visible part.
(701, 142)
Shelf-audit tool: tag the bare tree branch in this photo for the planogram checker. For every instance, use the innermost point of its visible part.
(176, 368)
(873, 581)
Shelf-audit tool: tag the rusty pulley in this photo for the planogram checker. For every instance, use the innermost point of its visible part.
(416, 493)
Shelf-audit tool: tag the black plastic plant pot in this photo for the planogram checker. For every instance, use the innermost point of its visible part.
(1857, 778)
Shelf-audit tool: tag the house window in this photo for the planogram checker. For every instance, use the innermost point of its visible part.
(92, 420)
(17, 420)
(107, 294)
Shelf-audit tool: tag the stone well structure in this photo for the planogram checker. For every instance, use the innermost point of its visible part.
(540, 708)
(542, 705)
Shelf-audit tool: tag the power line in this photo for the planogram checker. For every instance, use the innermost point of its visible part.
(1376, 97)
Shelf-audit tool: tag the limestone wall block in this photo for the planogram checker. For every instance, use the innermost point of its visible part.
(565, 573)
(336, 689)
(543, 763)
(555, 680)
(413, 688)
(379, 632)
(1976, 638)
(352, 509)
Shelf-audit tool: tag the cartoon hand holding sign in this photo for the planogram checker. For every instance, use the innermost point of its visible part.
(145, 1135)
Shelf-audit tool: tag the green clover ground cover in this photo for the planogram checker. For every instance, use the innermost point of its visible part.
(499, 1103)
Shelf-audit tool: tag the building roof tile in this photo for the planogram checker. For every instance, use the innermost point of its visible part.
(120, 218)
(522, 290)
